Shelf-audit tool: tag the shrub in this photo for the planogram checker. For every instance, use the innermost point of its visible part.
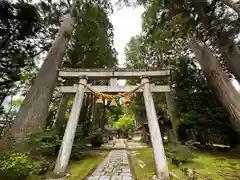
(42, 165)
(80, 144)
(141, 140)
(96, 138)
(15, 166)
(46, 143)
(179, 154)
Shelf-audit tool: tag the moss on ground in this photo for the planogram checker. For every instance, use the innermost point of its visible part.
(79, 170)
(209, 166)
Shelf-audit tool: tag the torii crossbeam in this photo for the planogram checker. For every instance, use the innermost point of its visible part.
(121, 73)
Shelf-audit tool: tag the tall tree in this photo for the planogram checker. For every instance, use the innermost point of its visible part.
(19, 22)
(142, 54)
(217, 77)
(91, 45)
(167, 27)
(33, 112)
(215, 22)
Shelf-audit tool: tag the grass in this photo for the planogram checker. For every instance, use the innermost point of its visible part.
(209, 166)
(79, 170)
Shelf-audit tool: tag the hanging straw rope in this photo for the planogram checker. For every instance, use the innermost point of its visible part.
(110, 96)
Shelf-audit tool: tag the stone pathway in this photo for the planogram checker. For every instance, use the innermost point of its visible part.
(115, 166)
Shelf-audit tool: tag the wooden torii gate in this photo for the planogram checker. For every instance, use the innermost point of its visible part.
(144, 77)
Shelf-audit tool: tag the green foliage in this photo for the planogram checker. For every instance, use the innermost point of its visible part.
(15, 166)
(79, 145)
(125, 123)
(190, 174)
(27, 30)
(17, 102)
(47, 143)
(163, 42)
(96, 138)
(91, 45)
(19, 21)
(178, 153)
(113, 114)
(41, 166)
(197, 103)
(19, 166)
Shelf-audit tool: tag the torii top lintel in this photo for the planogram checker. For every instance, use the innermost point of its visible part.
(120, 73)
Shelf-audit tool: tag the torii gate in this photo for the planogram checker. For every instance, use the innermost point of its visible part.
(144, 77)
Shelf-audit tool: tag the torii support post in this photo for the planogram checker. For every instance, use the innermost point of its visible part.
(157, 143)
(69, 135)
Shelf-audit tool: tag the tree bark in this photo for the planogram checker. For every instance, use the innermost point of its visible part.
(172, 134)
(215, 75)
(83, 113)
(231, 54)
(62, 111)
(173, 116)
(234, 5)
(93, 112)
(225, 43)
(34, 110)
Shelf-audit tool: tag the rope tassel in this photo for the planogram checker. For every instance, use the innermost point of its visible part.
(127, 99)
(113, 103)
(99, 100)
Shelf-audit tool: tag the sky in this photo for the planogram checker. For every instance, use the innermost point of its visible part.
(126, 23)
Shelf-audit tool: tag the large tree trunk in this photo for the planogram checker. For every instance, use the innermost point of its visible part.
(63, 106)
(93, 113)
(231, 55)
(173, 116)
(3, 95)
(215, 75)
(225, 44)
(34, 110)
(172, 134)
(83, 113)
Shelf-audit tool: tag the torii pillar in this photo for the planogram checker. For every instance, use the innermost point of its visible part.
(156, 138)
(69, 135)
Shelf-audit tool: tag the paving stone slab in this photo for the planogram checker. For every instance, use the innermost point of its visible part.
(99, 170)
(104, 178)
(109, 170)
(125, 174)
(98, 173)
(117, 170)
(93, 178)
(127, 178)
(116, 178)
(111, 174)
(126, 170)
